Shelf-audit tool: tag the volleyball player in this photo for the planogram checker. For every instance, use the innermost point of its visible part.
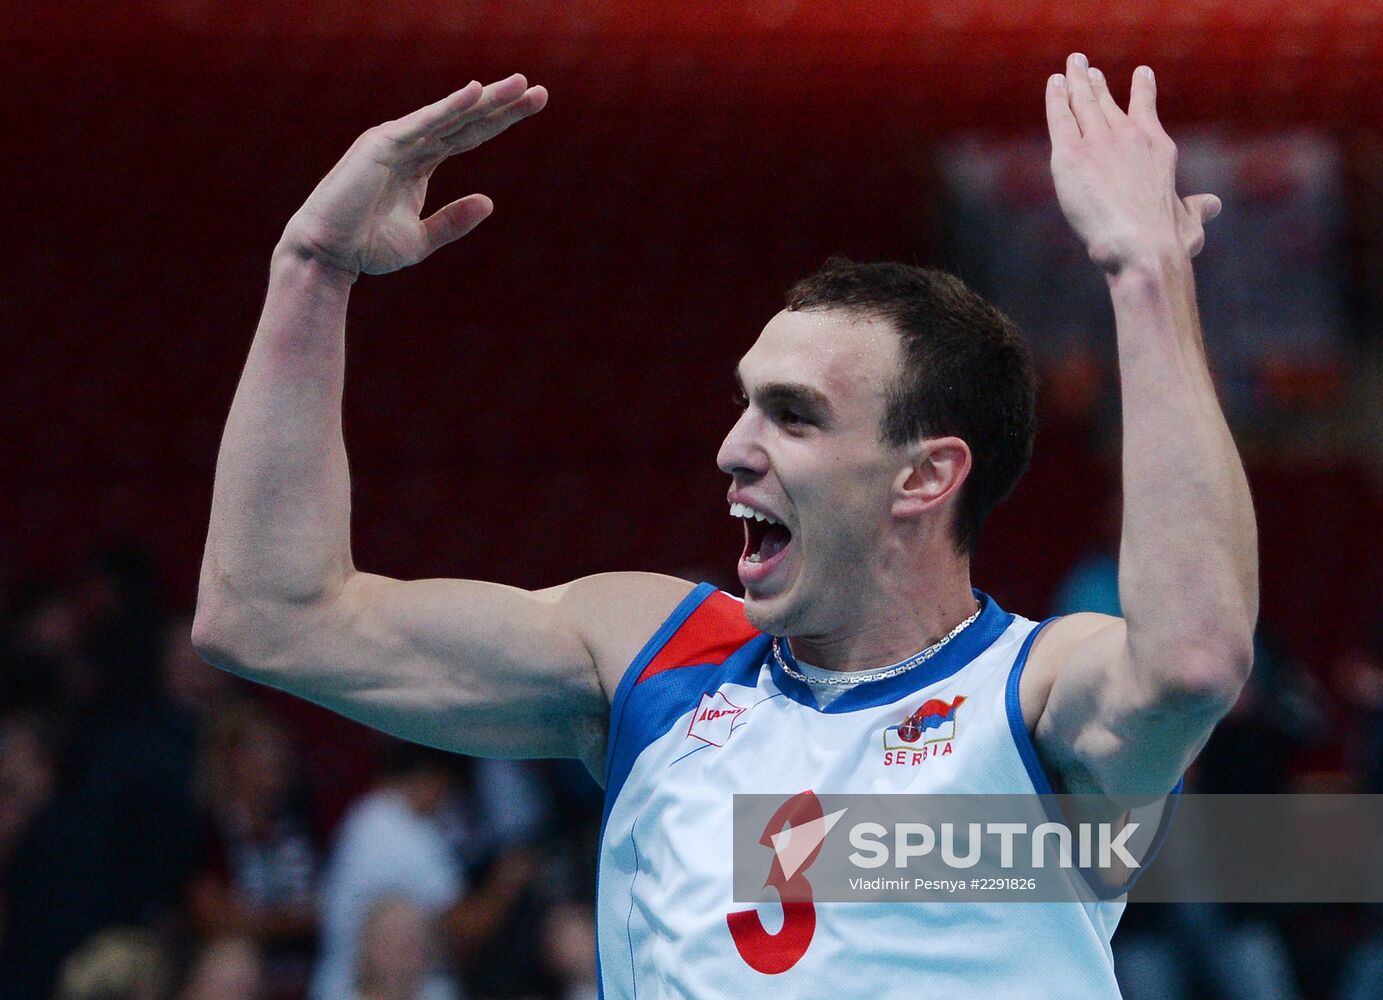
(886, 410)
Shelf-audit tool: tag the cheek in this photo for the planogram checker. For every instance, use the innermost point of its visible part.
(842, 519)
(855, 506)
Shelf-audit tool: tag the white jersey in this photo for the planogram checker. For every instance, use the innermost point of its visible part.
(705, 712)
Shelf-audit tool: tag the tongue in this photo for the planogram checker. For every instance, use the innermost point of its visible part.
(775, 540)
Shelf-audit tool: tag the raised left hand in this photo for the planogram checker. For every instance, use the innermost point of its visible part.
(1115, 172)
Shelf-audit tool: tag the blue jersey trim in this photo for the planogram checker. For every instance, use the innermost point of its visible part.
(1027, 750)
(979, 636)
(1105, 890)
(668, 695)
(1022, 739)
(650, 649)
(661, 700)
(1164, 827)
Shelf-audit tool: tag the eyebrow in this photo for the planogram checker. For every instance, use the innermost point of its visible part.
(788, 392)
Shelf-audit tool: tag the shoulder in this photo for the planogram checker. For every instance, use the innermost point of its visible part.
(616, 614)
(707, 627)
(1056, 639)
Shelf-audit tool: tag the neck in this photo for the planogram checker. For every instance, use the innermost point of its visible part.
(897, 622)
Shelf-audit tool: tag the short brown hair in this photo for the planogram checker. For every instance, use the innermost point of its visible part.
(966, 371)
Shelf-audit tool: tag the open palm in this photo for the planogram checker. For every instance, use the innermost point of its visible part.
(365, 216)
(1115, 170)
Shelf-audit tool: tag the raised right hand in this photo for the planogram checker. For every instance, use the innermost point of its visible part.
(1115, 171)
(366, 214)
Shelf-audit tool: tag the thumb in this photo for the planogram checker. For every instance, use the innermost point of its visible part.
(451, 222)
(1204, 206)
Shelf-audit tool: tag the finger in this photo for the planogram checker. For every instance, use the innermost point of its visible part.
(470, 132)
(527, 102)
(414, 126)
(471, 102)
(1061, 123)
(1082, 95)
(1108, 106)
(495, 96)
(1203, 206)
(1197, 243)
(473, 132)
(451, 222)
(1142, 101)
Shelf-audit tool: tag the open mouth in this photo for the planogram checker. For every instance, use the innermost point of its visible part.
(765, 540)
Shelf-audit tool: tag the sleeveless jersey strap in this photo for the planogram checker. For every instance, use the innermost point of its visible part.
(713, 630)
(703, 632)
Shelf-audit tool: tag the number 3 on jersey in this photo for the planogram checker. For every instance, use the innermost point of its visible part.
(775, 953)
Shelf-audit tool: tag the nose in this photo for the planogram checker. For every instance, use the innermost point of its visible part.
(740, 452)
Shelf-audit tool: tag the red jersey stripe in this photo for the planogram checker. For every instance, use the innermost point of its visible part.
(710, 634)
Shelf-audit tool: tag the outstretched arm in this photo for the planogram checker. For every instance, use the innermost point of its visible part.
(1122, 706)
(458, 664)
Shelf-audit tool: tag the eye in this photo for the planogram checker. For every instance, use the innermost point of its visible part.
(791, 418)
(740, 400)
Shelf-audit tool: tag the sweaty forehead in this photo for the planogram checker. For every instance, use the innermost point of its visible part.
(839, 354)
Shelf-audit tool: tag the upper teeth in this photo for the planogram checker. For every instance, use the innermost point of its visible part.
(745, 511)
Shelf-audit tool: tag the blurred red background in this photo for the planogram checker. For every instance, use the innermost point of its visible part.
(545, 399)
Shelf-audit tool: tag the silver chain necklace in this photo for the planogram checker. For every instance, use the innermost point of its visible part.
(864, 677)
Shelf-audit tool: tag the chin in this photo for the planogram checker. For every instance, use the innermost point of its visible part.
(773, 615)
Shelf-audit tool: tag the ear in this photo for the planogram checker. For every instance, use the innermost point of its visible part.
(936, 469)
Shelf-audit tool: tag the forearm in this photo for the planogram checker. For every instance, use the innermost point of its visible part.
(280, 515)
(1188, 567)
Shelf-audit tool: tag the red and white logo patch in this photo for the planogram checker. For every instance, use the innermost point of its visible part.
(714, 719)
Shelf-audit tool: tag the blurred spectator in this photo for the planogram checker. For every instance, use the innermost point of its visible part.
(117, 964)
(123, 621)
(490, 931)
(86, 651)
(147, 763)
(396, 841)
(410, 838)
(47, 666)
(1164, 952)
(504, 806)
(28, 775)
(1237, 951)
(1092, 584)
(259, 875)
(399, 955)
(504, 812)
(1359, 676)
(1175, 947)
(1362, 976)
(1280, 713)
(569, 950)
(116, 843)
(225, 968)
